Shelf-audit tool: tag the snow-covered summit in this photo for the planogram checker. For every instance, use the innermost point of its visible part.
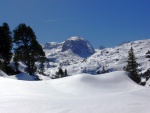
(76, 38)
(79, 46)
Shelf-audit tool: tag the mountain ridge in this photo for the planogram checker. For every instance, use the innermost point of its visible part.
(110, 59)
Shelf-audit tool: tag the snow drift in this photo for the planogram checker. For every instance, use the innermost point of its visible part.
(97, 84)
(82, 93)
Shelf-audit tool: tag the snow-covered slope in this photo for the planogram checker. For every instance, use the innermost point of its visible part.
(111, 59)
(83, 93)
(115, 58)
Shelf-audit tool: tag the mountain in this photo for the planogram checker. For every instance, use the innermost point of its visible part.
(52, 45)
(79, 46)
(65, 54)
(115, 58)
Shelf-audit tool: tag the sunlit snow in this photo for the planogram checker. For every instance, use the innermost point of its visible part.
(83, 93)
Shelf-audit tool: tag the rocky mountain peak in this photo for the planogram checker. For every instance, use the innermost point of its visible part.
(79, 46)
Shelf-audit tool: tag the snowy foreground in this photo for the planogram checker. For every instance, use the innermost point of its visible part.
(83, 93)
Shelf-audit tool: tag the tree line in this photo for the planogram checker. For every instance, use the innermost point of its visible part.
(21, 45)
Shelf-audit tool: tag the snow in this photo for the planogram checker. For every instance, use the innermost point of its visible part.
(75, 38)
(51, 45)
(82, 93)
(113, 92)
(114, 58)
(79, 46)
(22, 76)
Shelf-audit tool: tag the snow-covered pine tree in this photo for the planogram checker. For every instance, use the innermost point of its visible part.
(131, 67)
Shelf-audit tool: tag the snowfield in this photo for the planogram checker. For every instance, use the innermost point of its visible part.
(113, 92)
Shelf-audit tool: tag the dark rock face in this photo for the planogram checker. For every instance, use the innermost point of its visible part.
(79, 46)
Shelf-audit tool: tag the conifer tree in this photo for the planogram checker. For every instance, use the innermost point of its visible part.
(5, 47)
(42, 60)
(16, 64)
(65, 73)
(27, 47)
(103, 70)
(131, 67)
(60, 72)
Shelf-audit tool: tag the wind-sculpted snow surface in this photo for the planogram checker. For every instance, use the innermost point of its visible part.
(82, 93)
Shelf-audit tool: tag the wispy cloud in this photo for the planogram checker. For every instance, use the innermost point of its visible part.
(54, 20)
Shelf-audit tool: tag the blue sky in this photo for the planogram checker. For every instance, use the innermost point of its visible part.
(102, 22)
